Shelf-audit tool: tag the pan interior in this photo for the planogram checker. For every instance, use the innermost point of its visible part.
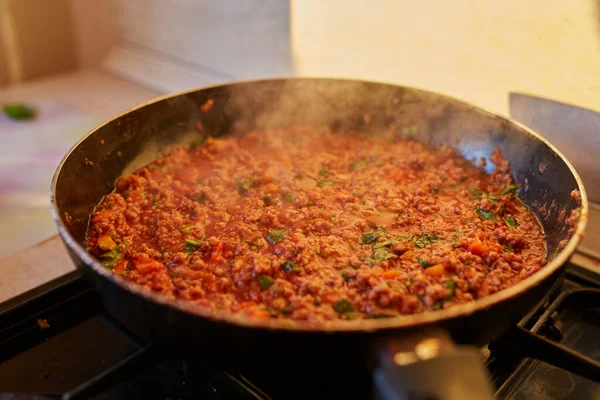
(141, 135)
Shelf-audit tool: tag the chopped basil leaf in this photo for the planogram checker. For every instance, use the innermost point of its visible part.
(288, 197)
(126, 194)
(373, 235)
(346, 277)
(289, 266)
(203, 238)
(187, 228)
(110, 204)
(387, 243)
(450, 288)
(323, 171)
(19, 111)
(489, 215)
(267, 199)
(425, 239)
(509, 189)
(435, 190)
(275, 236)
(265, 282)
(437, 306)
(190, 246)
(493, 199)
(475, 193)
(325, 184)
(175, 275)
(311, 203)
(424, 264)
(378, 316)
(358, 164)
(316, 301)
(510, 222)
(343, 306)
(509, 249)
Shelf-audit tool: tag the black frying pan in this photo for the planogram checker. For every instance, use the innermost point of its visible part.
(135, 138)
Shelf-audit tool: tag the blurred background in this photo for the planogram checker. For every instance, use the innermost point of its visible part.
(78, 62)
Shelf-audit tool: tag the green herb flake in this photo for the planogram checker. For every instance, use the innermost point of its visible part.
(380, 255)
(190, 246)
(197, 143)
(251, 243)
(325, 184)
(19, 111)
(311, 203)
(275, 236)
(424, 264)
(373, 235)
(243, 185)
(510, 222)
(358, 165)
(187, 228)
(493, 199)
(346, 277)
(111, 258)
(289, 266)
(425, 240)
(435, 190)
(323, 171)
(437, 306)
(265, 282)
(475, 193)
(343, 306)
(509, 189)
(175, 275)
(410, 132)
(316, 301)
(488, 215)
(450, 289)
(201, 198)
(203, 238)
(110, 204)
(267, 199)
(288, 197)
(378, 316)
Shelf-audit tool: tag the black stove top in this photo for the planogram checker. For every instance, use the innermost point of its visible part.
(57, 341)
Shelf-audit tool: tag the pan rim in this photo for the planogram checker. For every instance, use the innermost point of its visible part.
(354, 326)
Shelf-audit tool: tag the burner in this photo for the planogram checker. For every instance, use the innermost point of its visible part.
(58, 342)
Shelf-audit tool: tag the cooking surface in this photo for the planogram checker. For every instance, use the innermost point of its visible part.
(68, 343)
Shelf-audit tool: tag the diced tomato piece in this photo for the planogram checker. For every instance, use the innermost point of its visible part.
(477, 247)
(216, 254)
(260, 314)
(147, 265)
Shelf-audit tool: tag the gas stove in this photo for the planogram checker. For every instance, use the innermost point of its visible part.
(57, 341)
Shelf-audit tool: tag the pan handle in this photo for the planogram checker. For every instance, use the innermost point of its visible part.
(430, 365)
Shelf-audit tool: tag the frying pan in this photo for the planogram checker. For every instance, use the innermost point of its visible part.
(423, 353)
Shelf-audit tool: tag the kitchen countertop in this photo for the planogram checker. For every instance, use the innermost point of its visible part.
(68, 107)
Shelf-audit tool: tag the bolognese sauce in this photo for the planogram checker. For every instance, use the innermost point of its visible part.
(316, 225)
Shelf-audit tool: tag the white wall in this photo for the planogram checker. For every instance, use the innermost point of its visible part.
(477, 50)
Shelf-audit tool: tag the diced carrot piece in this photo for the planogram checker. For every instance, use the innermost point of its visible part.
(477, 247)
(435, 270)
(266, 178)
(409, 254)
(106, 243)
(147, 265)
(120, 268)
(261, 314)
(391, 274)
(271, 187)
